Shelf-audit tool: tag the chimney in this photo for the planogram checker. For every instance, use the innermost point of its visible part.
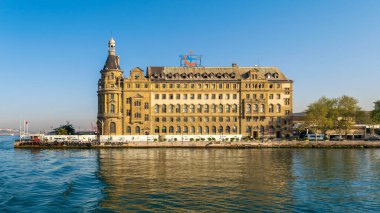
(234, 65)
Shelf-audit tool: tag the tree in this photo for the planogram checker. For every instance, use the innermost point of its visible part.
(347, 111)
(320, 115)
(375, 114)
(67, 129)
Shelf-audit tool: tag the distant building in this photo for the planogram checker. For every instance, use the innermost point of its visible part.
(193, 101)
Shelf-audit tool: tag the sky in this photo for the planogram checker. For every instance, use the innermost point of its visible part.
(52, 51)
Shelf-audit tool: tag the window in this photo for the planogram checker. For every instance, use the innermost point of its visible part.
(261, 96)
(137, 103)
(262, 108)
(137, 115)
(163, 86)
(199, 86)
(192, 119)
(227, 86)
(112, 108)
(278, 96)
(178, 119)
(254, 96)
(213, 109)
(157, 119)
(184, 96)
(255, 108)
(249, 108)
(146, 105)
(199, 129)
(170, 85)
(207, 119)
(112, 96)
(287, 101)
(164, 108)
(192, 86)
(227, 96)
(213, 119)
(185, 129)
(112, 127)
(213, 96)
(278, 108)
(270, 96)
(163, 130)
(163, 96)
(178, 129)
(228, 129)
(171, 96)
(184, 85)
(128, 129)
(191, 96)
(206, 108)
(185, 108)
(128, 100)
(228, 110)
(234, 129)
(178, 96)
(192, 129)
(137, 86)
(178, 85)
(220, 96)
(171, 129)
(206, 96)
(271, 108)
(278, 86)
(220, 119)
(247, 96)
(234, 96)
(234, 108)
(171, 108)
(156, 96)
(220, 129)
(199, 96)
(145, 85)
(157, 129)
(192, 108)
(220, 86)
(199, 108)
(207, 129)
(214, 129)
(156, 108)
(157, 86)
(220, 108)
(146, 117)
(137, 129)
(178, 108)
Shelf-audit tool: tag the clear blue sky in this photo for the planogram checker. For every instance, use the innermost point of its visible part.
(52, 51)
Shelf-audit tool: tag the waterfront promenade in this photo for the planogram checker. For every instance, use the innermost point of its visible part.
(214, 144)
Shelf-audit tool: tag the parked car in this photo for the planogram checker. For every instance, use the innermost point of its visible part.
(372, 138)
(337, 138)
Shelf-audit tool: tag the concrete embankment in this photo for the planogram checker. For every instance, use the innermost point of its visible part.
(232, 145)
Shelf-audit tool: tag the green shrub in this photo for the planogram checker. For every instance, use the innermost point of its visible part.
(191, 139)
(202, 139)
(197, 139)
(155, 139)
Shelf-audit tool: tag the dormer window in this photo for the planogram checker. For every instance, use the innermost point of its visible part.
(137, 76)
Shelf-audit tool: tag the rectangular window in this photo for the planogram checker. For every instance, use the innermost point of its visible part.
(207, 119)
(235, 86)
(220, 119)
(261, 96)
(137, 86)
(184, 96)
(227, 96)
(220, 86)
(234, 96)
(170, 85)
(128, 112)
(192, 86)
(213, 86)
(163, 119)
(199, 86)
(163, 96)
(278, 86)
(247, 96)
(157, 86)
(163, 86)
(206, 85)
(213, 96)
(157, 119)
(191, 96)
(178, 96)
(185, 119)
(270, 96)
(213, 119)
(157, 96)
(227, 86)
(220, 96)
(146, 117)
(145, 85)
(178, 119)
(278, 96)
(128, 100)
(206, 96)
(178, 85)
(254, 96)
(171, 96)
(184, 85)
(199, 96)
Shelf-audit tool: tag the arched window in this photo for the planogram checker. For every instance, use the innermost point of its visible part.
(234, 129)
(199, 108)
(220, 129)
(156, 129)
(255, 108)
(112, 76)
(234, 108)
(156, 108)
(128, 129)
(192, 129)
(171, 108)
(178, 129)
(248, 129)
(220, 108)
(270, 107)
(207, 129)
(171, 129)
(262, 108)
(192, 108)
(185, 129)
(214, 129)
(112, 127)
(228, 108)
(228, 129)
(185, 108)
(213, 109)
(206, 108)
(137, 129)
(200, 129)
(278, 108)
(249, 108)
(163, 129)
(112, 108)
(163, 108)
(178, 108)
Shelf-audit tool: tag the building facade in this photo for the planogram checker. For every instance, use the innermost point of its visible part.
(189, 102)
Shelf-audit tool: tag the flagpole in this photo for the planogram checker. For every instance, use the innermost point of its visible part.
(27, 128)
(20, 130)
(24, 128)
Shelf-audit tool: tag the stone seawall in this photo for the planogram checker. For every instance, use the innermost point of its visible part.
(232, 145)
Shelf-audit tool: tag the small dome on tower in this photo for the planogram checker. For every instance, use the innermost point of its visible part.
(112, 41)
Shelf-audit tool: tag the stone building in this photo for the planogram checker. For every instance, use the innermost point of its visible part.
(182, 101)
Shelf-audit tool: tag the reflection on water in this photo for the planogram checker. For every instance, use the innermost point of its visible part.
(340, 180)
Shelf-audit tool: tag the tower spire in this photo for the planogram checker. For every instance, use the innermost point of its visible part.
(111, 46)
